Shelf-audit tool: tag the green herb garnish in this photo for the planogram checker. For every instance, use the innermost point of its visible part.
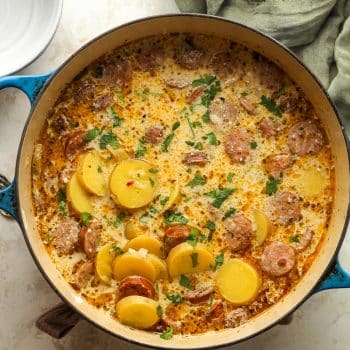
(175, 126)
(194, 259)
(116, 119)
(166, 143)
(198, 180)
(271, 106)
(117, 249)
(61, 199)
(85, 218)
(220, 195)
(272, 185)
(164, 200)
(141, 149)
(159, 311)
(294, 239)
(151, 181)
(253, 145)
(212, 140)
(153, 170)
(206, 117)
(229, 177)
(109, 138)
(168, 334)
(219, 260)
(192, 238)
(210, 93)
(118, 96)
(244, 93)
(204, 80)
(229, 212)
(185, 282)
(91, 134)
(174, 298)
(172, 218)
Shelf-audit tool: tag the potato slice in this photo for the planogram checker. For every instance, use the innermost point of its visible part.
(159, 265)
(77, 196)
(132, 230)
(173, 194)
(262, 224)
(153, 245)
(311, 182)
(186, 259)
(103, 262)
(129, 264)
(137, 311)
(238, 281)
(132, 184)
(90, 175)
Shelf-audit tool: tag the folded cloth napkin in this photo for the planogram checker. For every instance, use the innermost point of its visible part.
(318, 31)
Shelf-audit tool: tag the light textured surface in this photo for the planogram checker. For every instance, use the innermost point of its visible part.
(321, 323)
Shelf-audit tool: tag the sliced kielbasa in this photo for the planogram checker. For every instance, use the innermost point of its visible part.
(101, 102)
(66, 236)
(236, 317)
(199, 295)
(75, 143)
(223, 64)
(83, 91)
(194, 94)
(216, 312)
(276, 164)
(288, 103)
(268, 74)
(89, 237)
(135, 285)
(239, 232)
(237, 146)
(222, 113)
(270, 128)
(277, 259)
(117, 73)
(188, 56)
(305, 138)
(154, 135)
(175, 235)
(83, 274)
(177, 83)
(196, 158)
(151, 58)
(60, 124)
(284, 208)
(247, 105)
(304, 240)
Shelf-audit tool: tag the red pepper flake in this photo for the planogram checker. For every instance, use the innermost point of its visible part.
(129, 183)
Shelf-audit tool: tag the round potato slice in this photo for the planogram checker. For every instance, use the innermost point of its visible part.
(159, 265)
(186, 259)
(137, 311)
(129, 264)
(238, 281)
(132, 184)
(132, 229)
(77, 196)
(90, 173)
(262, 224)
(310, 182)
(153, 245)
(104, 260)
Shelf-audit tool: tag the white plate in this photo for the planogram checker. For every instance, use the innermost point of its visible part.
(26, 28)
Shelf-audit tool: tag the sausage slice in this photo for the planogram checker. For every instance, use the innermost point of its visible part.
(236, 317)
(188, 56)
(177, 83)
(83, 274)
(196, 158)
(305, 138)
(117, 73)
(223, 113)
(154, 135)
(284, 208)
(304, 241)
(247, 105)
(277, 259)
(223, 64)
(237, 146)
(136, 285)
(199, 295)
(66, 236)
(239, 232)
(276, 164)
(74, 143)
(270, 128)
(89, 237)
(175, 235)
(216, 311)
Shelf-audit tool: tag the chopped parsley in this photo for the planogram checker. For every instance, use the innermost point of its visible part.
(116, 119)
(164, 200)
(210, 225)
(204, 80)
(229, 212)
(166, 143)
(99, 169)
(119, 219)
(144, 218)
(168, 334)
(244, 93)
(210, 92)
(159, 311)
(85, 218)
(271, 106)
(194, 259)
(190, 143)
(118, 97)
(229, 177)
(281, 91)
(91, 134)
(175, 126)
(61, 199)
(172, 218)
(198, 180)
(190, 125)
(219, 260)
(115, 247)
(108, 138)
(220, 195)
(272, 185)
(294, 239)
(192, 238)
(198, 146)
(185, 282)
(196, 124)
(174, 298)
(153, 170)
(141, 149)
(151, 181)
(206, 118)
(211, 138)
(253, 145)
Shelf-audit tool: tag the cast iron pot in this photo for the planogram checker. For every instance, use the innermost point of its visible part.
(43, 90)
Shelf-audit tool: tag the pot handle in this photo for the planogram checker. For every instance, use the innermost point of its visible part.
(31, 86)
(336, 277)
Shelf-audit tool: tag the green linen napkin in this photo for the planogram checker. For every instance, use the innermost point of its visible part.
(318, 31)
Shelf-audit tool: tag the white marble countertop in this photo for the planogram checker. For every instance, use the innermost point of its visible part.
(321, 323)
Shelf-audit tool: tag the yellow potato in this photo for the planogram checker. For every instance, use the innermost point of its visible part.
(137, 311)
(186, 259)
(238, 281)
(159, 265)
(129, 264)
(153, 245)
(103, 263)
(173, 194)
(131, 229)
(90, 173)
(262, 224)
(77, 196)
(132, 184)
(311, 182)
